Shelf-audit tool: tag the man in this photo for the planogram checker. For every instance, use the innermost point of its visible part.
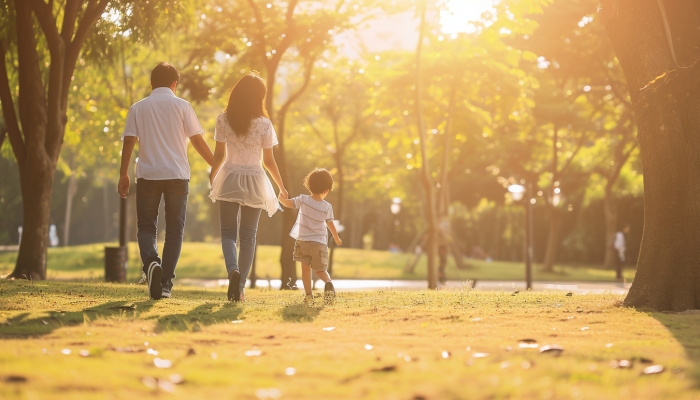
(621, 248)
(162, 123)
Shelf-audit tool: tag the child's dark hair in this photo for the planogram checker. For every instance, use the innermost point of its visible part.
(318, 181)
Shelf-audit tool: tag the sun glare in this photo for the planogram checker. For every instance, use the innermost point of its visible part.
(457, 15)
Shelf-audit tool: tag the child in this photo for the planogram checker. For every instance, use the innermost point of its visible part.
(315, 214)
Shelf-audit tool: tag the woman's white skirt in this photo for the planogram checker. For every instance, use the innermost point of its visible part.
(247, 185)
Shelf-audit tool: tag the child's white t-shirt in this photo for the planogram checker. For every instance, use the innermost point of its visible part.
(311, 220)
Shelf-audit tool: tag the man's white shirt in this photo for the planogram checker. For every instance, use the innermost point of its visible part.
(163, 123)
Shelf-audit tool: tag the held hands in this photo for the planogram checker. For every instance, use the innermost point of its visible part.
(283, 194)
(123, 186)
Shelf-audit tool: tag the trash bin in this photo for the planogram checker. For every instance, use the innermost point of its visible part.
(115, 264)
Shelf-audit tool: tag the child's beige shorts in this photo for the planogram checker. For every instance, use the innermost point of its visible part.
(313, 253)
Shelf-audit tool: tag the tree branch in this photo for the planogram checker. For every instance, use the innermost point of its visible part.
(307, 79)
(92, 13)
(70, 13)
(48, 26)
(8, 110)
(316, 131)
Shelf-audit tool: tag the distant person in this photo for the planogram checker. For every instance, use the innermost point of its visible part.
(313, 222)
(621, 248)
(53, 236)
(162, 123)
(244, 140)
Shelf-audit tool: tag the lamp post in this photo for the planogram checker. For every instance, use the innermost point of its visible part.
(518, 192)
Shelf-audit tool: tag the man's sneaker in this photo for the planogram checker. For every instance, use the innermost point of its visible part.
(234, 290)
(154, 273)
(166, 294)
(329, 290)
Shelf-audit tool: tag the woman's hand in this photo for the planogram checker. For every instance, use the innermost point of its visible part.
(283, 193)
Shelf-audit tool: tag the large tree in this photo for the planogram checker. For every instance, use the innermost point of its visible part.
(40, 44)
(658, 47)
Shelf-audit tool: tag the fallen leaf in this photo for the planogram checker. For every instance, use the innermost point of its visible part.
(270, 393)
(388, 368)
(238, 321)
(44, 322)
(253, 353)
(621, 364)
(528, 344)
(645, 360)
(480, 355)
(65, 351)
(446, 354)
(609, 345)
(289, 371)
(161, 363)
(14, 379)
(149, 382)
(84, 353)
(270, 337)
(328, 329)
(654, 369)
(514, 293)
(152, 352)
(570, 294)
(368, 347)
(476, 319)
(191, 352)
(166, 386)
(585, 328)
(552, 349)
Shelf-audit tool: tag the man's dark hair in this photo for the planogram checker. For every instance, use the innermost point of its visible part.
(164, 75)
(318, 181)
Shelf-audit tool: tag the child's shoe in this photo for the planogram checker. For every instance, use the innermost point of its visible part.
(329, 290)
(309, 299)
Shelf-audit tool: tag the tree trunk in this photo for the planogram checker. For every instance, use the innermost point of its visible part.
(70, 194)
(666, 101)
(553, 240)
(37, 181)
(610, 205)
(426, 179)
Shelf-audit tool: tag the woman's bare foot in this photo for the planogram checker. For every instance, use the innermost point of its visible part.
(242, 297)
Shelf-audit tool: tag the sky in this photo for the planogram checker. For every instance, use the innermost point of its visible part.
(400, 31)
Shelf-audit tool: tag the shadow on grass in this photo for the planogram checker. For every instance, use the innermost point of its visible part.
(684, 327)
(301, 312)
(20, 326)
(202, 315)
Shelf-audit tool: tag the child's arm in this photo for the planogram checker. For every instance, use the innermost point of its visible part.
(331, 227)
(289, 203)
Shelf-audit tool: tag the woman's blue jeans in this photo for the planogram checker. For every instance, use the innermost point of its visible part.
(232, 215)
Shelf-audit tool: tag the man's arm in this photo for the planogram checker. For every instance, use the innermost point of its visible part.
(202, 148)
(331, 227)
(127, 149)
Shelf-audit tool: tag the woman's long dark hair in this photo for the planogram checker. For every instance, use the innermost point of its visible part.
(246, 102)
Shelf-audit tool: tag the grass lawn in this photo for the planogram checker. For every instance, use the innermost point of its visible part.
(205, 260)
(81, 340)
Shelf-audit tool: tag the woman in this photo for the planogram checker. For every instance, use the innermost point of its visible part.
(244, 139)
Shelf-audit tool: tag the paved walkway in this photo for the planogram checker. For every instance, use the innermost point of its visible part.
(346, 285)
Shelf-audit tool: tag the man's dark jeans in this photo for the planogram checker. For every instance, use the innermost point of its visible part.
(148, 195)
